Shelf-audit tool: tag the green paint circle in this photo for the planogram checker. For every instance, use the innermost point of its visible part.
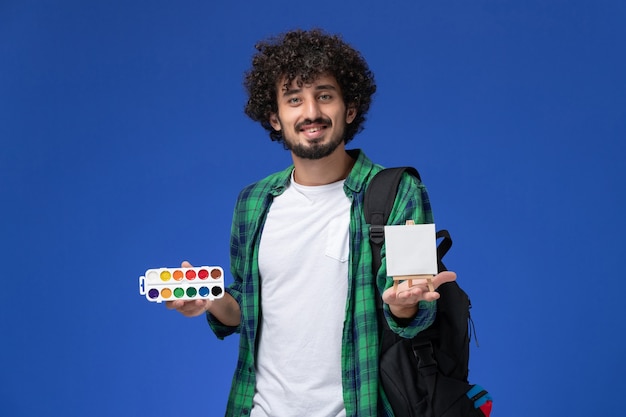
(191, 292)
(179, 292)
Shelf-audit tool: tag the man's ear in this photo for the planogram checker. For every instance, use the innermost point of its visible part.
(275, 122)
(350, 114)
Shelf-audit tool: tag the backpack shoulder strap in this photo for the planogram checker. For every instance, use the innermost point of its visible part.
(442, 248)
(378, 203)
(381, 193)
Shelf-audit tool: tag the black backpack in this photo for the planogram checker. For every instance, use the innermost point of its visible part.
(426, 376)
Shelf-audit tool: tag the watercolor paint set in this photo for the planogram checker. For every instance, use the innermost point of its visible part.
(169, 284)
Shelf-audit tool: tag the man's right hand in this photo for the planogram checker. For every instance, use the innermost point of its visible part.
(189, 308)
(225, 309)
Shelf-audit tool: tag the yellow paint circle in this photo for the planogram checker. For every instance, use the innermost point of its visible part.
(165, 275)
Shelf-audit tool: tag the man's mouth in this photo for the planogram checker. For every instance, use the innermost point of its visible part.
(313, 129)
(313, 132)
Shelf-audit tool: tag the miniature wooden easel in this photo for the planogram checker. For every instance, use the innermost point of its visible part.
(410, 278)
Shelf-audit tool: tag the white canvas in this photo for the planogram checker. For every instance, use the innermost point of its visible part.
(411, 250)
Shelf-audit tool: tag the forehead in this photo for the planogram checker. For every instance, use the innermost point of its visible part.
(321, 81)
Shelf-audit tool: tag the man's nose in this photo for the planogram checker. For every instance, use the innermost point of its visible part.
(312, 109)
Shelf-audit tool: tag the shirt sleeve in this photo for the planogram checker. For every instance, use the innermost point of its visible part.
(412, 203)
(236, 261)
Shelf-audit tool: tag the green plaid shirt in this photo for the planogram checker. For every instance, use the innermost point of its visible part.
(362, 396)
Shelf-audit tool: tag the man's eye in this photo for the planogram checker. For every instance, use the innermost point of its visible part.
(325, 97)
(293, 100)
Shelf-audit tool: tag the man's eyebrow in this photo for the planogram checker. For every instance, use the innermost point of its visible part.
(289, 92)
(326, 87)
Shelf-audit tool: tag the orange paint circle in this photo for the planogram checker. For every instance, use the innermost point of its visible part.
(178, 275)
(166, 293)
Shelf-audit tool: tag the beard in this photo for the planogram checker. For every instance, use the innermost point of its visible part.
(316, 149)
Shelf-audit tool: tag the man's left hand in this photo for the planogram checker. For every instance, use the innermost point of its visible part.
(403, 300)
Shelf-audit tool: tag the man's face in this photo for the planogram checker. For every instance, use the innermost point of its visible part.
(312, 118)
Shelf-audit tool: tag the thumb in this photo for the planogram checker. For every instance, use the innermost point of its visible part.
(445, 276)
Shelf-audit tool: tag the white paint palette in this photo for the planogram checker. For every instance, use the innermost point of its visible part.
(169, 284)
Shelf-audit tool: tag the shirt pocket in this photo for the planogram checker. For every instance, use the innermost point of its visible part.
(337, 239)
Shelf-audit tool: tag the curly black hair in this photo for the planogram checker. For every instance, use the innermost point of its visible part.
(306, 55)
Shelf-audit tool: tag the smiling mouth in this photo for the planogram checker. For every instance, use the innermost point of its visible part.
(313, 129)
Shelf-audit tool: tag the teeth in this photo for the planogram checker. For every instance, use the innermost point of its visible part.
(315, 129)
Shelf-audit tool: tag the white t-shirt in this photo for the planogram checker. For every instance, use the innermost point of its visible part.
(303, 261)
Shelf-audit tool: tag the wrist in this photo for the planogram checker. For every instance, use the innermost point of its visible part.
(404, 312)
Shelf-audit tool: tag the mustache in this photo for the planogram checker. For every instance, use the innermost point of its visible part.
(319, 120)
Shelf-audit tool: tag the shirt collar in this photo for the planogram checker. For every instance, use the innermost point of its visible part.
(355, 181)
(360, 172)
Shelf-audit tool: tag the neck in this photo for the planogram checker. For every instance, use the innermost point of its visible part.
(333, 168)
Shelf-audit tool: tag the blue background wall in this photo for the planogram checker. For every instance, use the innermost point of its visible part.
(124, 146)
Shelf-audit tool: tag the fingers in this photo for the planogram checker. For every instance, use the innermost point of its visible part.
(431, 296)
(404, 295)
(418, 291)
(189, 308)
(423, 284)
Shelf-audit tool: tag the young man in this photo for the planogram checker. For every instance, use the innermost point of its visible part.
(303, 296)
